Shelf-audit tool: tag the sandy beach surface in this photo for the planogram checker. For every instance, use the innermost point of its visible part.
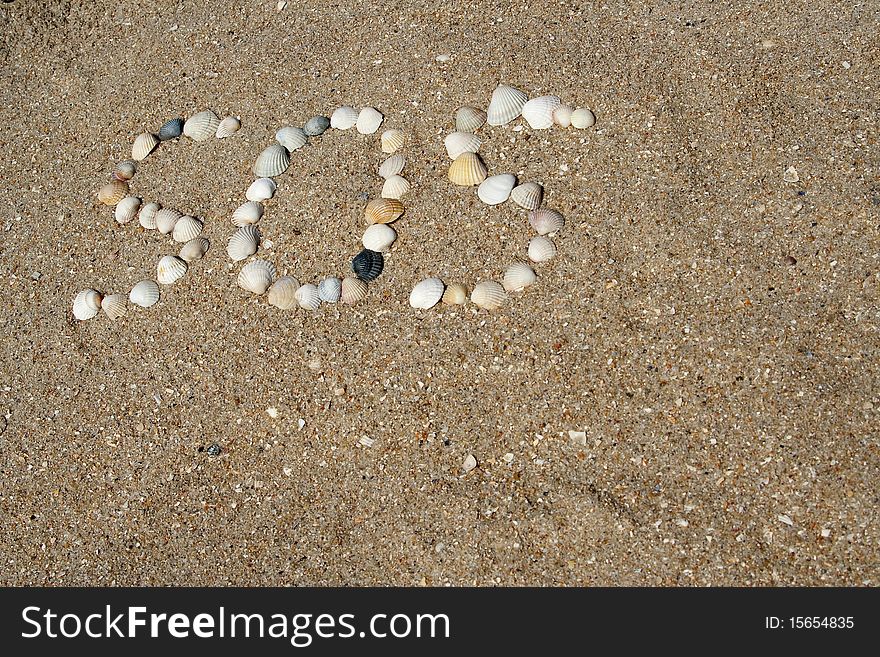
(710, 327)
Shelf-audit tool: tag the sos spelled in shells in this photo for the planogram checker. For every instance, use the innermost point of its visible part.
(86, 304)
(126, 209)
(186, 229)
(368, 121)
(426, 294)
(469, 119)
(256, 276)
(518, 276)
(488, 295)
(353, 290)
(379, 237)
(282, 293)
(273, 161)
(243, 243)
(506, 105)
(144, 144)
(170, 269)
(395, 187)
(528, 195)
(113, 192)
(247, 213)
(392, 166)
(468, 169)
(114, 305)
(144, 294)
(546, 221)
(201, 126)
(195, 249)
(392, 140)
(383, 210)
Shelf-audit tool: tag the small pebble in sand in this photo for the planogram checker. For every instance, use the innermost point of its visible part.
(579, 437)
(214, 450)
(791, 175)
(508, 458)
(826, 533)
(280, 6)
(272, 411)
(301, 424)
(443, 58)
(790, 261)
(784, 519)
(469, 464)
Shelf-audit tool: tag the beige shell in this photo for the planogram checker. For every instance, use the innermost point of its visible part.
(292, 138)
(256, 276)
(496, 189)
(583, 118)
(455, 294)
(426, 294)
(86, 304)
(488, 295)
(379, 237)
(469, 119)
(541, 249)
(392, 166)
(170, 269)
(126, 209)
(383, 210)
(562, 115)
(201, 126)
(243, 243)
(461, 142)
(144, 294)
(395, 187)
(307, 297)
(506, 105)
(518, 276)
(147, 215)
(143, 145)
(262, 189)
(369, 120)
(392, 140)
(125, 170)
(114, 305)
(247, 213)
(165, 220)
(273, 161)
(228, 127)
(282, 294)
(113, 192)
(195, 249)
(187, 228)
(353, 290)
(528, 195)
(546, 221)
(468, 169)
(538, 112)
(343, 118)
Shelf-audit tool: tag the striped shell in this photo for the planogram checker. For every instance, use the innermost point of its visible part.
(227, 127)
(383, 210)
(201, 126)
(379, 237)
(496, 189)
(256, 276)
(165, 220)
(144, 294)
(126, 209)
(538, 112)
(368, 121)
(170, 269)
(461, 142)
(291, 138)
(546, 221)
(307, 297)
(317, 125)
(171, 129)
(368, 265)
(562, 115)
(392, 140)
(243, 243)
(143, 145)
(506, 105)
(488, 295)
(195, 249)
(114, 305)
(455, 295)
(282, 294)
(330, 289)
(113, 192)
(395, 187)
(86, 304)
(518, 276)
(528, 195)
(262, 189)
(583, 118)
(343, 118)
(467, 170)
(469, 119)
(273, 161)
(247, 213)
(147, 215)
(541, 249)
(125, 170)
(392, 166)
(426, 294)
(353, 290)
(187, 228)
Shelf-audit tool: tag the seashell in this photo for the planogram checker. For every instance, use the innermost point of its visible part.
(379, 237)
(144, 294)
(228, 126)
(307, 296)
(392, 166)
(291, 138)
(583, 118)
(247, 213)
(546, 221)
(562, 115)
(330, 289)
(383, 210)
(317, 125)
(468, 169)
(488, 295)
(262, 189)
(127, 208)
(461, 142)
(541, 249)
(353, 290)
(147, 215)
(170, 130)
(114, 305)
(538, 112)
(343, 118)
(243, 243)
(528, 195)
(113, 192)
(187, 228)
(518, 276)
(455, 294)
(392, 140)
(165, 220)
(426, 294)
(125, 170)
(469, 119)
(256, 276)
(368, 121)
(170, 269)
(201, 126)
(86, 304)
(282, 294)
(506, 105)
(367, 265)
(143, 145)
(273, 161)
(195, 249)
(395, 187)
(496, 189)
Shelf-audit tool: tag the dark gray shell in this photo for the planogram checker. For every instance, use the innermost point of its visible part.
(316, 125)
(171, 130)
(367, 265)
